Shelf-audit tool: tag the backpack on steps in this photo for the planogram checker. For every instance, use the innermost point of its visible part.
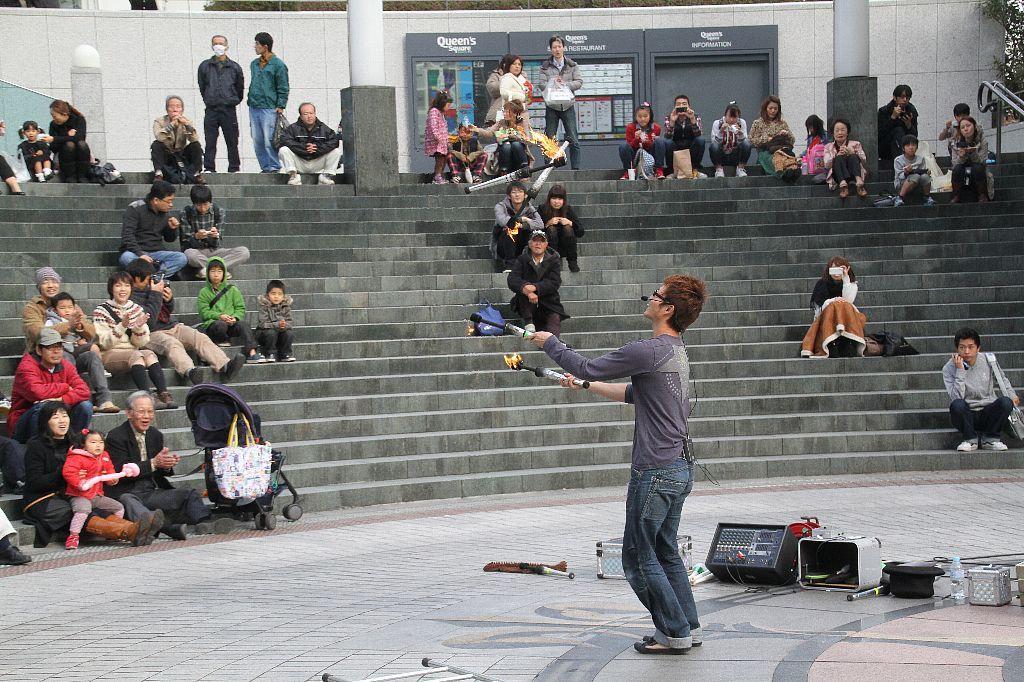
(105, 174)
(490, 314)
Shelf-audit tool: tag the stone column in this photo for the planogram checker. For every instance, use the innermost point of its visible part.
(366, 42)
(368, 114)
(87, 96)
(852, 93)
(851, 31)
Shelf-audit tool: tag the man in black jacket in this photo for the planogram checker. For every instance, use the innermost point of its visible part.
(535, 278)
(139, 441)
(895, 120)
(146, 224)
(310, 147)
(222, 84)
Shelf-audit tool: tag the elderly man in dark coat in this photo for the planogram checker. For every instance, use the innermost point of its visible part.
(140, 442)
(535, 279)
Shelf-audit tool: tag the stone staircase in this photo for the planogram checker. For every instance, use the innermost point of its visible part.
(389, 401)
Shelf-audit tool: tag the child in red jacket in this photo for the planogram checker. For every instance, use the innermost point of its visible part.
(643, 133)
(86, 469)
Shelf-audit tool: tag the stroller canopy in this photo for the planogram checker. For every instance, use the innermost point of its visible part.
(211, 409)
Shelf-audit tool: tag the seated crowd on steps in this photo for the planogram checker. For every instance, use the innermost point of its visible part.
(128, 333)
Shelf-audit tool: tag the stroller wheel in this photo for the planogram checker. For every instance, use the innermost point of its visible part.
(269, 521)
(260, 521)
(292, 512)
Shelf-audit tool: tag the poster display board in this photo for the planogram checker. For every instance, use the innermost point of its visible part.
(619, 69)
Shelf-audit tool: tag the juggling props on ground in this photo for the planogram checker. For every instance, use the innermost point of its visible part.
(516, 362)
(560, 570)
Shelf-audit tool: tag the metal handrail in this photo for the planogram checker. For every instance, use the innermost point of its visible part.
(993, 96)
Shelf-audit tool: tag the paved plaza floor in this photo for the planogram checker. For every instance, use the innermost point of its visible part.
(373, 591)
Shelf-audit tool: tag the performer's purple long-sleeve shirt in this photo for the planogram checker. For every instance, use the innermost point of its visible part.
(659, 371)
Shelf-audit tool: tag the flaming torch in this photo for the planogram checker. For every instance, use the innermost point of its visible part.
(556, 158)
(516, 362)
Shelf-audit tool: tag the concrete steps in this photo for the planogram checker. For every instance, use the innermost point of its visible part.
(390, 402)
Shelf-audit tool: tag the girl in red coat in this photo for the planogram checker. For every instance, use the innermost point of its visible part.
(86, 469)
(643, 133)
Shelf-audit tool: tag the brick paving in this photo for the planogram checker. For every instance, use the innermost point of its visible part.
(372, 591)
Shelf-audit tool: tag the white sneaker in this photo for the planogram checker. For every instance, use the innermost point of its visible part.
(994, 444)
(719, 172)
(741, 172)
(40, 177)
(295, 180)
(48, 172)
(967, 446)
(325, 179)
(701, 176)
(531, 327)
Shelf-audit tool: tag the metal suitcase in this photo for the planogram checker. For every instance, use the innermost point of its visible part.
(609, 556)
(989, 586)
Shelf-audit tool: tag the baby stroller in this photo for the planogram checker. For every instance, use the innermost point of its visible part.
(220, 417)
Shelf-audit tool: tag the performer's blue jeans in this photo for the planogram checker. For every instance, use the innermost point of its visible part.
(650, 550)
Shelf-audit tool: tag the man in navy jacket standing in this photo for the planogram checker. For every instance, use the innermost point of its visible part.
(222, 84)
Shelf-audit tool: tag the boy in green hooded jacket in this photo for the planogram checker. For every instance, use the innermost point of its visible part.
(222, 311)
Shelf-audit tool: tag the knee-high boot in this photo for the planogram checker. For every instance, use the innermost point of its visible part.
(115, 528)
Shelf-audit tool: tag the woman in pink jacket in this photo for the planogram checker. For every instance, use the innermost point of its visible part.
(846, 161)
(435, 137)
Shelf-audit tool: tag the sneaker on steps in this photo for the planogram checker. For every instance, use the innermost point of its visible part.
(741, 172)
(719, 172)
(295, 180)
(326, 179)
(967, 446)
(993, 444)
(531, 327)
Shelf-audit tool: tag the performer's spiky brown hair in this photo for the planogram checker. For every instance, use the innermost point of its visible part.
(687, 294)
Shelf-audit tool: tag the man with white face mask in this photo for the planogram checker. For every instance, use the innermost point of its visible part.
(222, 84)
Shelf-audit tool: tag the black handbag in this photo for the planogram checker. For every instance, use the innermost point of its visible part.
(49, 514)
(894, 344)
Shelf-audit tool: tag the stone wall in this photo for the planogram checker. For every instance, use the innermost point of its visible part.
(941, 48)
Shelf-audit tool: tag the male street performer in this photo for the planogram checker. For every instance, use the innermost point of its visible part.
(662, 472)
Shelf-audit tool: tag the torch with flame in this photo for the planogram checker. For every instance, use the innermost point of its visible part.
(515, 362)
(549, 147)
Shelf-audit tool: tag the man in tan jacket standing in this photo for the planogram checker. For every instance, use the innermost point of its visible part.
(88, 364)
(176, 144)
